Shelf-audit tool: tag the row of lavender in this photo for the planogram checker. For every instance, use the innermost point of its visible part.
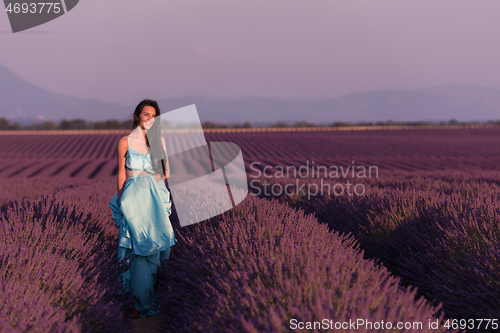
(15, 189)
(265, 267)
(94, 155)
(412, 150)
(438, 231)
(58, 262)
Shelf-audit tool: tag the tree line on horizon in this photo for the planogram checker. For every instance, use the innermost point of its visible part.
(80, 124)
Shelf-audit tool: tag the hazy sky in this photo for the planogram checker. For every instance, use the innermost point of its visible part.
(123, 50)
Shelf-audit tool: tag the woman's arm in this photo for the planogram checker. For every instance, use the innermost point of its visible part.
(121, 150)
(167, 167)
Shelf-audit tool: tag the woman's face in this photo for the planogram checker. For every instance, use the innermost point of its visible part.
(147, 117)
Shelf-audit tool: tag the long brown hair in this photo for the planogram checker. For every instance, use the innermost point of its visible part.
(153, 137)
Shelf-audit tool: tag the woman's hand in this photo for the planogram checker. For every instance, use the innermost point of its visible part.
(119, 198)
(158, 177)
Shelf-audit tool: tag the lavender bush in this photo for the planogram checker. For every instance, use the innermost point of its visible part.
(18, 188)
(439, 232)
(258, 266)
(34, 290)
(60, 254)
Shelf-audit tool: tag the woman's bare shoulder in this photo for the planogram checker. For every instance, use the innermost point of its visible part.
(122, 143)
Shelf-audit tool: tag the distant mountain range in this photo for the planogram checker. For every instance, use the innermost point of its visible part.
(25, 103)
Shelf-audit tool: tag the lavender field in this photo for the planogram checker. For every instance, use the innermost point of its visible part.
(93, 155)
(420, 245)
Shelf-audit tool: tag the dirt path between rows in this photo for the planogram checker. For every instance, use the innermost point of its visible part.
(146, 325)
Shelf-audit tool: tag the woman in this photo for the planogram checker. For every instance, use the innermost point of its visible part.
(142, 206)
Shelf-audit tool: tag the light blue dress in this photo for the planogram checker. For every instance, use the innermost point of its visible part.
(146, 233)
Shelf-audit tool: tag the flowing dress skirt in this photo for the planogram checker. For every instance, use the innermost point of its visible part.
(145, 236)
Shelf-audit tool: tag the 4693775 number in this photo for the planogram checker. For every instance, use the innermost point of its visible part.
(33, 8)
(471, 324)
